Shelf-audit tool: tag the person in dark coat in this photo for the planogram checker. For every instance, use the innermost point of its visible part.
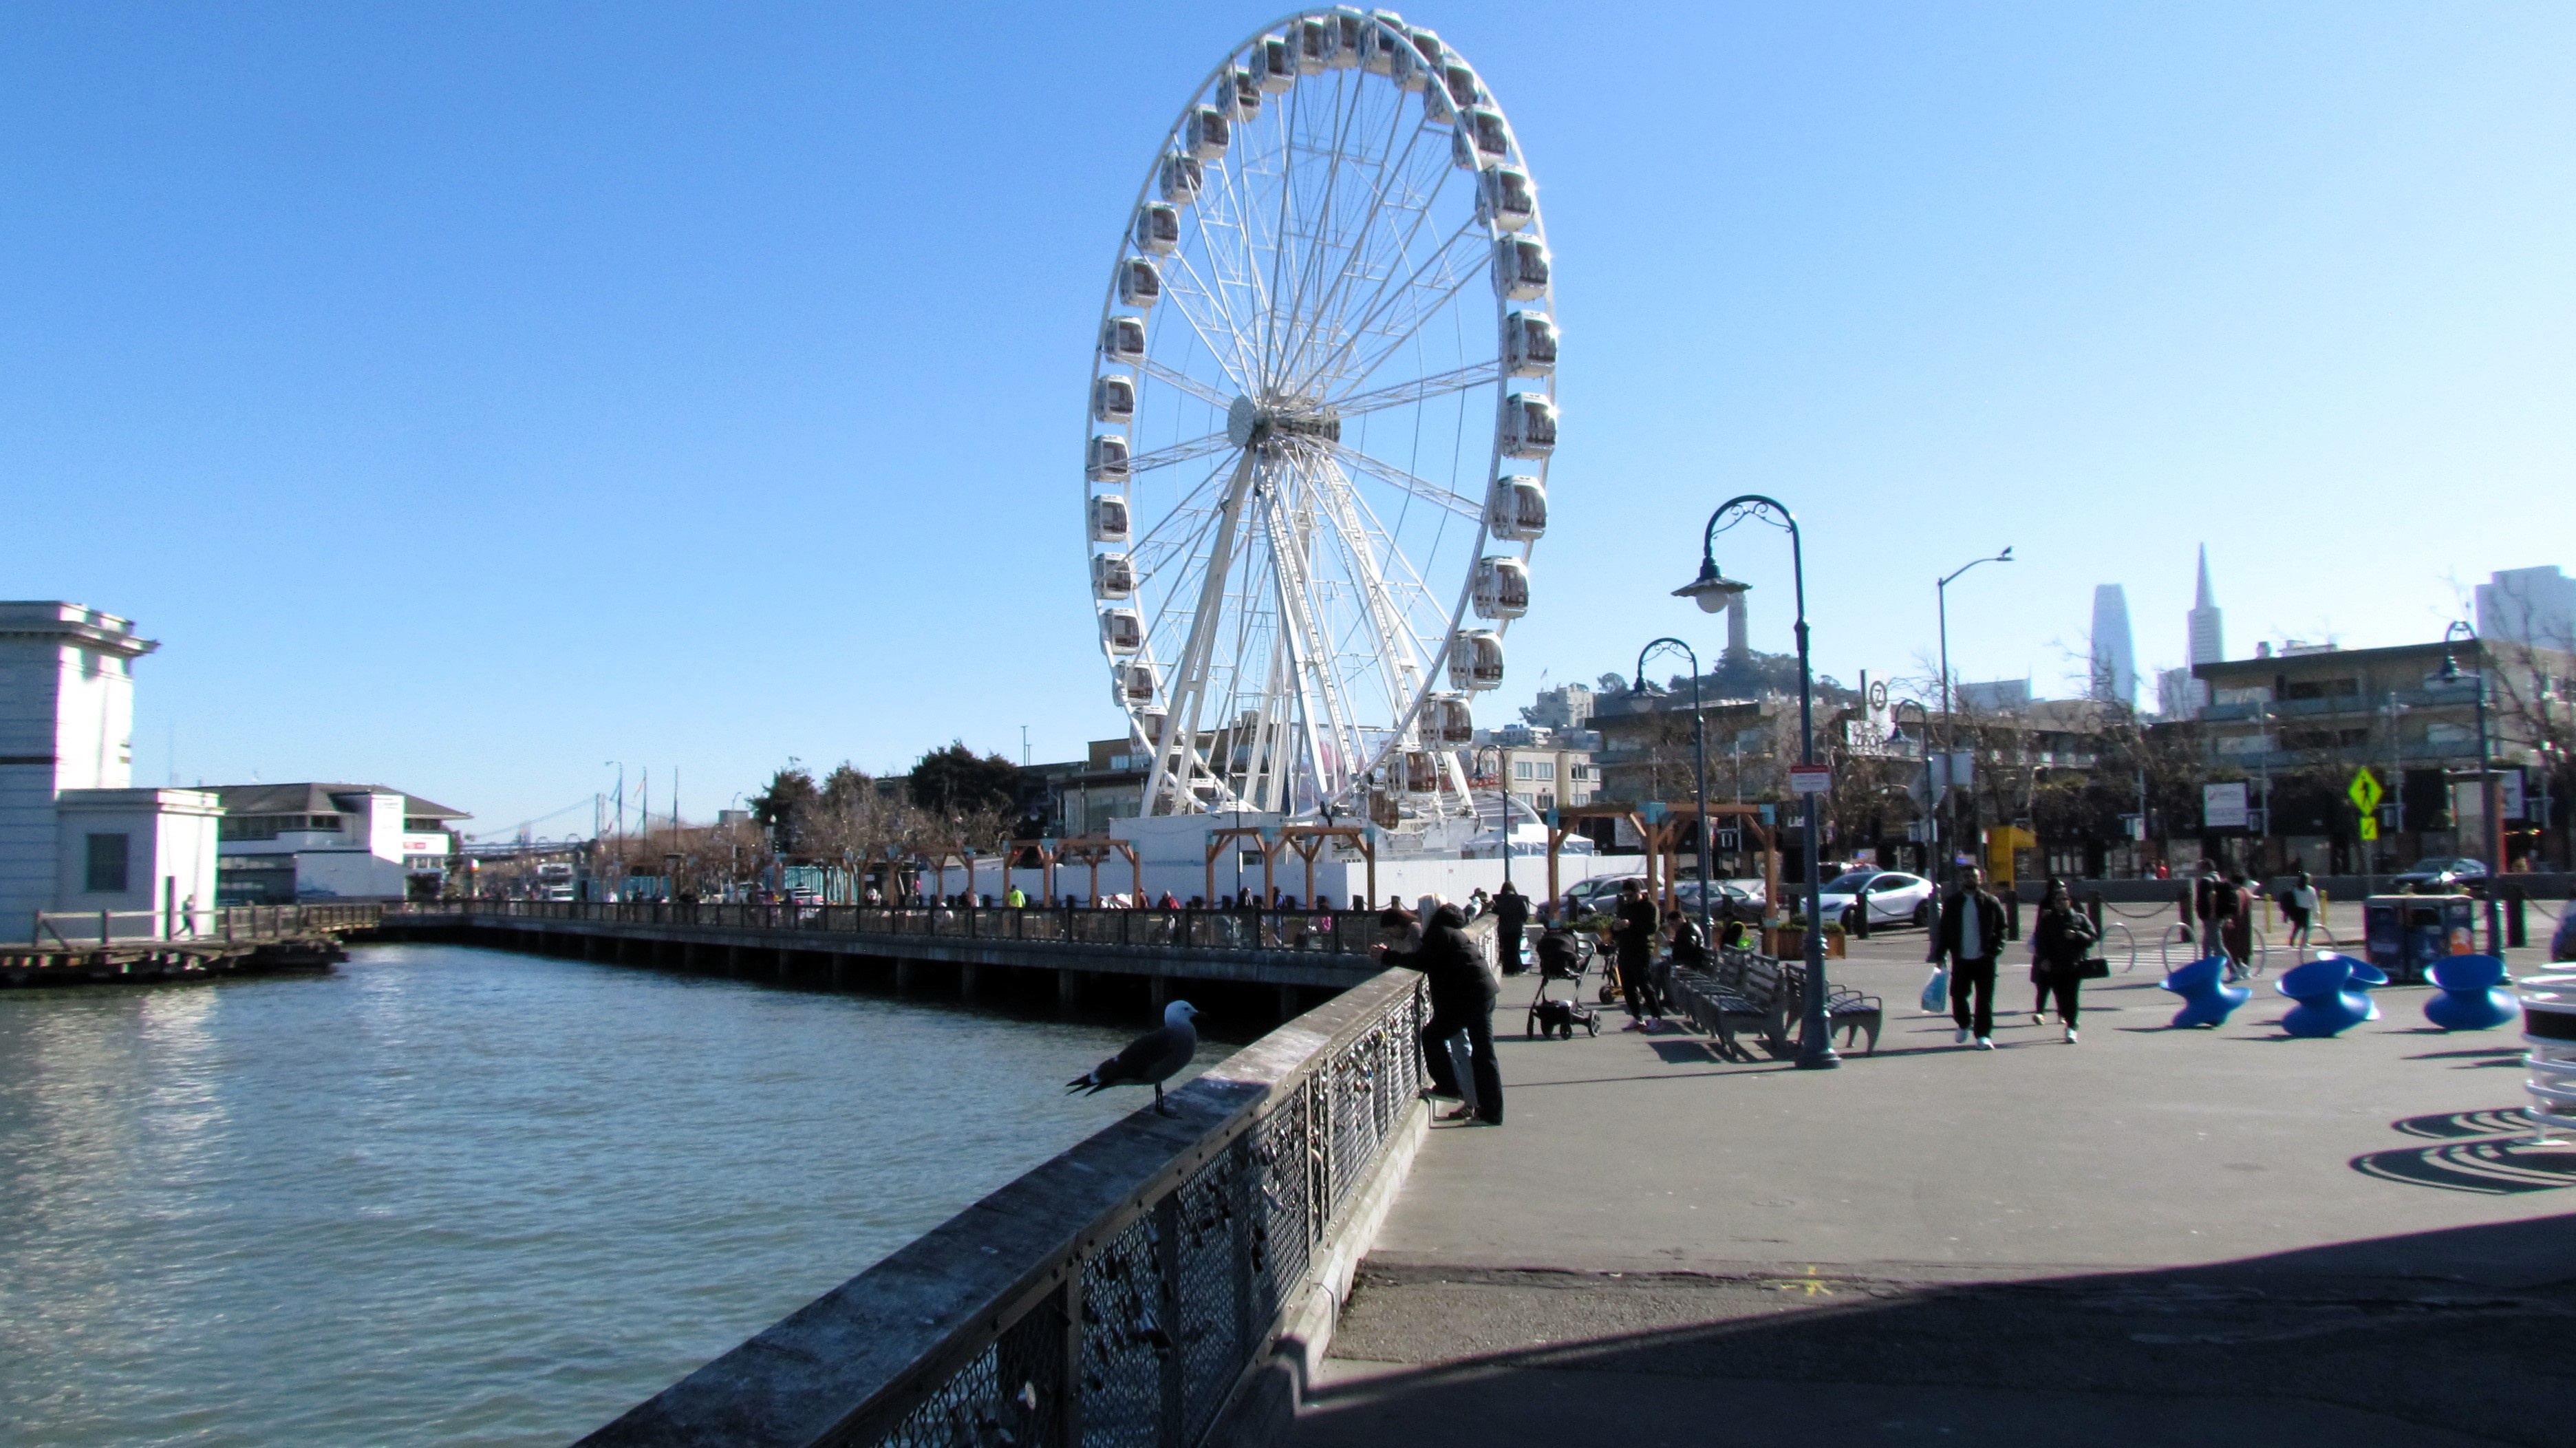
(1638, 932)
(1511, 913)
(1462, 999)
(2059, 941)
(1970, 934)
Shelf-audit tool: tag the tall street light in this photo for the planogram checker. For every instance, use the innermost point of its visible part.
(1503, 788)
(1949, 730)
(2491, 839)
(1896, 731)
(1699, 763)
(1712, 591)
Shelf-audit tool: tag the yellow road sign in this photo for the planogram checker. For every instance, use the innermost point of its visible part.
(2369, 828)
(2366, 792)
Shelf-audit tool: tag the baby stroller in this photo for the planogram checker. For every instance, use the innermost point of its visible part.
(1562, 955)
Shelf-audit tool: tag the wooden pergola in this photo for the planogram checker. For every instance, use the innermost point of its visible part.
(1662, 838)
(1045, 851)
(1306, 840)
(1095, 851)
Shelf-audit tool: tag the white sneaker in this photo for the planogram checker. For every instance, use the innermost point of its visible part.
(1959, 1037)
(2070, 1035)
(1634, 1026)
(1985, 1043)
(2038, 1019)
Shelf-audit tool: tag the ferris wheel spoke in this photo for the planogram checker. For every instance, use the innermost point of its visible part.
(1423, 488)
(1317, 694)
(1189, 688)
(1179, 294)
(1397, 656)
(1453, 271)
(1396, 168)
(1179, 452)
(1405, 394)
(1311, 276)
(1183, 382)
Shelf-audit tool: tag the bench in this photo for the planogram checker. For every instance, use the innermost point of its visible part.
(1750, 988)
(1713, 1008)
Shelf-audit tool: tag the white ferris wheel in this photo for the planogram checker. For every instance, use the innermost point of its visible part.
(1322, 405)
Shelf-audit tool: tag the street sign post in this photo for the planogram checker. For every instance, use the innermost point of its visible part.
(1811, 779)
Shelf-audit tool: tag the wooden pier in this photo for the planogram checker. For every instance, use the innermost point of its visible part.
(94, 946)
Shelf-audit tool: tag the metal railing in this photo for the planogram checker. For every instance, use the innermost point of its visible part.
(106, 929)
(1334, 932)
(1115, 1296)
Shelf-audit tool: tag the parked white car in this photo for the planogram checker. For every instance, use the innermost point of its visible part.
(1894, 899)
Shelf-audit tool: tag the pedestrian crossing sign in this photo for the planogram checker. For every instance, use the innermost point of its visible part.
(2366, 793)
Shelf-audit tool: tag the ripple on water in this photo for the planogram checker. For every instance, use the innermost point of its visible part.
(455, 1196)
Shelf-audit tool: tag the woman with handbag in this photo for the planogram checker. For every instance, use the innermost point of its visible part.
(2060, 941)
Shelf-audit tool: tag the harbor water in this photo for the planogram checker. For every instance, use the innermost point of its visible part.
(446, 1195)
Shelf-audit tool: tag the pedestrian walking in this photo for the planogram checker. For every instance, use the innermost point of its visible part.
(2299, 907)
(2207, 893)
(2236, 924)
(1969, 934)
(1511, 914)
(2060, 940)
(1462, 1000)
(1636, 933)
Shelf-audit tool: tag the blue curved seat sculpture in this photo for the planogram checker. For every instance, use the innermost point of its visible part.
(2365, 976)
(2469, 994)
(2323, 1006)
(2207, 999)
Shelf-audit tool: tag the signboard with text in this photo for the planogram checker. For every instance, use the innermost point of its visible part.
(2222, 806)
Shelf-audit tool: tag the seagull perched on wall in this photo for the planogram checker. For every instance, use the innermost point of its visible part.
(1149, 1060)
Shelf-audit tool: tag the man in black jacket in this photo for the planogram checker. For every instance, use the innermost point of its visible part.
(1511, 913)
(1970, 934)
(1462, 999)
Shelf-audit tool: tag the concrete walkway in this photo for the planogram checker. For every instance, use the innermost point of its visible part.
(2149, 1237)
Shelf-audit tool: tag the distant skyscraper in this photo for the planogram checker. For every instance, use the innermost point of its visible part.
(2115, 661)
(2535, 607)
(2208, 634)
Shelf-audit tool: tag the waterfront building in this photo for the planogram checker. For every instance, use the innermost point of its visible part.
(2114, 659)
(287, 842)
(2000, 696)
(75, 835)
(2306, 718)
(1107, 783)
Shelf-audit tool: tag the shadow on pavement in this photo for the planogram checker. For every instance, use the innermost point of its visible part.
(2385, 1341)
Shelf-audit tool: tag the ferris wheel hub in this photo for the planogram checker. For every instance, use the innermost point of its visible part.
(1278, 418)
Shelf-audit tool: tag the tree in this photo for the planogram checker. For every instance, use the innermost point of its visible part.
(955, 782)
(787, 805)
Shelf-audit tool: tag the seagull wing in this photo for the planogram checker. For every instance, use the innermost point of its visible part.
(1148, 1059)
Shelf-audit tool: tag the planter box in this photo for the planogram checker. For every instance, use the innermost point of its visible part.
(1791, 944)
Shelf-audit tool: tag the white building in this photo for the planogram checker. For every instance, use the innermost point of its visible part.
(75, 835)
(2534, 607)
(289, 842)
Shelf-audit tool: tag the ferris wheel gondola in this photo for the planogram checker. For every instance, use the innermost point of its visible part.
(1320, 420)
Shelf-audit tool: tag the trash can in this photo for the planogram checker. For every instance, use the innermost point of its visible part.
(2407, 933)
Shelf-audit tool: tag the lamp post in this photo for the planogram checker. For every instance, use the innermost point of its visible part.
(1503, 790)
(1924, 717)
(2491, 839)
(1712, 591)
(1699, 764)
(1949, 730)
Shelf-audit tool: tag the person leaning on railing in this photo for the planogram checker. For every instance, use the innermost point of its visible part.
(1462, 999)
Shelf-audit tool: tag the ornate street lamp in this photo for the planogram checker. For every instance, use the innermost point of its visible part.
(1712, 591)
(2491, 841)
(1699, 765)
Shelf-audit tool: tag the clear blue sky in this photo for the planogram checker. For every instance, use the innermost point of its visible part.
(469, 394)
